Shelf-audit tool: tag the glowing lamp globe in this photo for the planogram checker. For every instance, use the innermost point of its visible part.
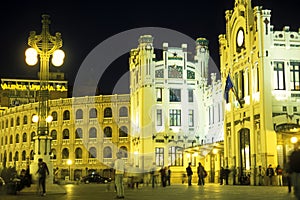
(31, 56)
(58, 57)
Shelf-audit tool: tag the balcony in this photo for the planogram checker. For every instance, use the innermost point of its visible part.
(66, 141)
(107, 140)
(123, 139)
(92, 160)
(78, 141)
(78, 161)
(79, 121)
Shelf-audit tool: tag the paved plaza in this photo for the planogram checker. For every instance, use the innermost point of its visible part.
(194, 192)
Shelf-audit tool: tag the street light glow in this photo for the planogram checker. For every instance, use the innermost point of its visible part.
(31, 56)
(58, 57)
(69, 162)
(49, 119)
(35, 118)
(294, 140)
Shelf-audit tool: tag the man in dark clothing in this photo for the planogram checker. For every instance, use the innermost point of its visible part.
(201, 174)
(42, 170)
(189, 172)
(295, 170)
(270, 173)
(227, 172)
(222, 175)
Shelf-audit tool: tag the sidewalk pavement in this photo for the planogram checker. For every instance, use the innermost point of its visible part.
(173, 192)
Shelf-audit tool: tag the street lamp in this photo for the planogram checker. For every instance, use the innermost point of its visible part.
(45, 46)
(69, 162)
(294, 141)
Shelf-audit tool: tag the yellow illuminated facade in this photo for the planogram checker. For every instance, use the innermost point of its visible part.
(86, 130)
(264, 66)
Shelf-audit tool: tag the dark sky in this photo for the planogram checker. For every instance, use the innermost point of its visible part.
(85, 24)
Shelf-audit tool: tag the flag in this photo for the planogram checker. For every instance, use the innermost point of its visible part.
(228, 87)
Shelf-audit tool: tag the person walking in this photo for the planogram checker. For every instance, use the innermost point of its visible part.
(168, 176)
(222, 175)
(119, 166)
(261, 175)
(279, 171)
(295, 170)
(270, 174)
(152, 174)
(163, 176)
(227, 172)
(189, 172)
(201, 174)
(287, 173)
(42, 171)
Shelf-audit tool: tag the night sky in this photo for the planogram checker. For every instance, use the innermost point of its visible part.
(86, 24)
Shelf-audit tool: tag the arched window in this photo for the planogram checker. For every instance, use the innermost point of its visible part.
(65, 153)
(78, 133)
(25, 120)
(123, 150)
(18, 121)
(11, 122)
(53, 153)
(54, 115)
(66, 134)
(92, 152)
(24, 137)
(54, 134)
(17, 138)
(107, 112)
(10, 139)
(10, 156)
(6, 123)
(107, 132)
(79, 114)
(32, 136)
(78, 153)
(5, 139)
(123, 112)
(17, 156)
(66, 115)
(93, 132)
(1, 140)
(31, 155)
(107, 153)
(123, 131)
(93, 113)
(23, 155)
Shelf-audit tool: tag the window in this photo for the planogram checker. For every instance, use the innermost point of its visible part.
(25, 120)
(23, 155)
(191, 95)
(123, 150)
(159, 156)
(11, 122)
(54, 115)
(31, 155)
(78, 133)
(66, 115)
(176, 156)
(17, 156)
(92, 152)
(175, 95)
(6, 123)
(18, 121)
(107, 112)
(175, 117)
(191, 118)
(54, 134)
(159, 94)
(66, 134)
(32, 136)
(24, 137)
(295, 76)
(17, 138)
(159, 117)
(123, 112)
(93, 113)
(10, 156)
(78, 153)
(10, 139)
(107, 153)
(93, 132)
(107, 132)
(79, 114)
(123, 131)
(53, 153)
(279, 80)
(65, 153)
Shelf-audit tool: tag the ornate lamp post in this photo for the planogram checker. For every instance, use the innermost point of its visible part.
(44, 46)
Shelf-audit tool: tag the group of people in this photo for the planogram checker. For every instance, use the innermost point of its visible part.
(201, 172)
(165, 176)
